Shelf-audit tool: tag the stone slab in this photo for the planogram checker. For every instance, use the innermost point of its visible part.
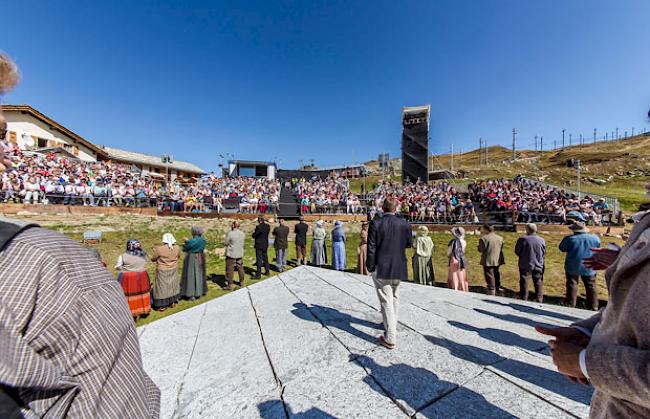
(489, 396)
(303, 344)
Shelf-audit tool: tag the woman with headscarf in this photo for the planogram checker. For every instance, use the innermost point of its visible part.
(194, 283)
(457, 278)
(166, 288)
(362, 251)
(422, 263)
(318, 257)
(338, 247)
(134, 279)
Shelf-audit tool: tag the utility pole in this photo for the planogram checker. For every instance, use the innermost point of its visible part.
(451, 158)
(617, 133)
(480, 147)
(595, 135)
(486, 152)
(541, 146)
(554, 144)
(632, 131)
(514, 141)
(536, 143)
(563, 137)
(460, 159)
(606, 136)
(581, 139)
(570, 135)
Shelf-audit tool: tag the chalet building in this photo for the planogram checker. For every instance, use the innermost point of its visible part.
(154, 166)
(33, 131)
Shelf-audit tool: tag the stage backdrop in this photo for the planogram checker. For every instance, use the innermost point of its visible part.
(415, 143)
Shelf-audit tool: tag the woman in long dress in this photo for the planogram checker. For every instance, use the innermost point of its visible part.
(338, 247)
(422, 264)
(362, 252)
(134, 279)
(457, 277)
(166, 288)
(194, 283)
(318, 245)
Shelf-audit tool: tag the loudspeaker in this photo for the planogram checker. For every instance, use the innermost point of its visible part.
(415, 143)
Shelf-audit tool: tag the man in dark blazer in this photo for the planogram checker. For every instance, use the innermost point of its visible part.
(388, 238)
(261, 236)
(281, 243)
(301, 241)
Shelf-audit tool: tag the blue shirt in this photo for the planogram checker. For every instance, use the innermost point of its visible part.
(577, 248)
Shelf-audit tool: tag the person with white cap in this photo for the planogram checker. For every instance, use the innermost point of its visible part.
(166, 289)
(531, 250)
(577, 247)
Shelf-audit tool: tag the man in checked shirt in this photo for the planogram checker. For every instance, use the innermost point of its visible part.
(68, 346)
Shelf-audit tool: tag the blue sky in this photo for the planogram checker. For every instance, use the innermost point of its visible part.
(327, 79)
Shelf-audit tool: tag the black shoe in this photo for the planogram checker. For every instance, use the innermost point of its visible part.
(267, 273)
(257, 277)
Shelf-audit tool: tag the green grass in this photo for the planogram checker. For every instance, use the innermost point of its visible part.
(113, 244)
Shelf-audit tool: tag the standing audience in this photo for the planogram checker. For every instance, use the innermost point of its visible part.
(388, 239)
(134, 279)
(194, 283)
(362, 251)
(281, 244)
(422, 263)
(578, 248)
(531, 250)
(261, 237)
(490, 246)
(300, 231)
(235, 255)
(166, 287)
(338, 247)
(457, 276)
(318, 255)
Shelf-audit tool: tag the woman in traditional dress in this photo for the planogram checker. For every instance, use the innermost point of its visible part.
(362, 252)
(134, 279)
(166, 288)
(318, 257)
(338, 247)
(457, 279)
(422, 264)
(194, 283)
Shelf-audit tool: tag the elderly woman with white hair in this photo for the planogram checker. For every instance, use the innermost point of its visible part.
(318, 256)
(457, 277)
(166, 289)
(194, 283)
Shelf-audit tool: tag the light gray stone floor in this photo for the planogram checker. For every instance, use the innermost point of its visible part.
(304, 345)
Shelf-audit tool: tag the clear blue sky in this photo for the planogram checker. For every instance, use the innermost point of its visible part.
(327, 79)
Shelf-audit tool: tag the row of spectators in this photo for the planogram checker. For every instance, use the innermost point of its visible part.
(54, 179)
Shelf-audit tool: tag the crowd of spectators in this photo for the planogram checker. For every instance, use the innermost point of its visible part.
(533, 202)
(419, 202)
(55, 179)
(329, 195)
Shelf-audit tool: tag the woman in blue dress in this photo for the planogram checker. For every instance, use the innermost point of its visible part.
(338, 247)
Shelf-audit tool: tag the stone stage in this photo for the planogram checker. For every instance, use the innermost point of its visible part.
(303, 344)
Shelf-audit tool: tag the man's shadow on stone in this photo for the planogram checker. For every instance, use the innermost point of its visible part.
(402, 382)
(273, 409)
(331, 317)
(515, 319)
(535, 310)
(541, 377)
(502, 336)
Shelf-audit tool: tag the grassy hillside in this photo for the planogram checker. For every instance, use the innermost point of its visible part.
(620, 168)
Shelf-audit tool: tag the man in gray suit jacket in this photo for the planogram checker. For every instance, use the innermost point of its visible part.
(531, 250)
(235, 254)
(490, 246)
(611, 349)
